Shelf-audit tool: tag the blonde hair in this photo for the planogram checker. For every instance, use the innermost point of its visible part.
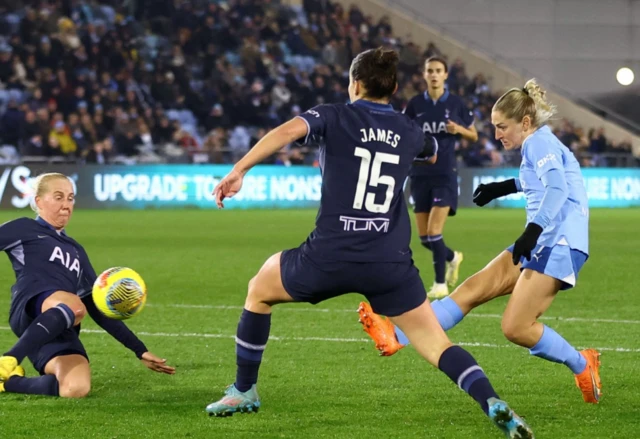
(40, 186)
(527, 101)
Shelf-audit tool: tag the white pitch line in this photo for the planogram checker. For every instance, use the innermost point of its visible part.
(332, 310)
(323, 339)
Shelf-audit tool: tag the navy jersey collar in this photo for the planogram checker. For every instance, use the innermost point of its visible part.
(443, 98)
(374, 106)
(46, 224)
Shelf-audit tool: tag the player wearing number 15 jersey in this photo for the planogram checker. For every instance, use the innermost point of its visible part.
(361, 239)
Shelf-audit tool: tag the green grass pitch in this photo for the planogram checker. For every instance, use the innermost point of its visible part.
(321, 377)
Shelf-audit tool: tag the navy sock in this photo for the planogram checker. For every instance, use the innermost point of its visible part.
(251, 339)
(43, 385)
(439, 256)
(42, 330)
(424, 240)
(460, 366)
(449, 255)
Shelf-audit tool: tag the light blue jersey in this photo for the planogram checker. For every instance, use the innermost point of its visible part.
(548, 164)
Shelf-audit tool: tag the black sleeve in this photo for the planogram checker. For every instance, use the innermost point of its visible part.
(88, 274)
(115, 328)
(429, 148)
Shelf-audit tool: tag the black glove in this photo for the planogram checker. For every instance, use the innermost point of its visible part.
(526, 242)
(485, 193)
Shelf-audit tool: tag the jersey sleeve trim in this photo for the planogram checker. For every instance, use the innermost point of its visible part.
(306, 138)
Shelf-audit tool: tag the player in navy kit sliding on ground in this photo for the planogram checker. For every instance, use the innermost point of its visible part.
(361, 240)
(51, 296)
(434, 189)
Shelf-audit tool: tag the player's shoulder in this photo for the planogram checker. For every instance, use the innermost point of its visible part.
(542, 142)
(20, 222)
(456, 100)
(416, 100)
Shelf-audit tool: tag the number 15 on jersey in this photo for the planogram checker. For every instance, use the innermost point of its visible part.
(370, 176)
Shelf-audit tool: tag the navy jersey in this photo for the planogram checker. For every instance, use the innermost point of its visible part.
(432, 118)
(44, 259)
(365, 157)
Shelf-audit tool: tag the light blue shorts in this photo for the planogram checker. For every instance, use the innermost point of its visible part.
(560, 262)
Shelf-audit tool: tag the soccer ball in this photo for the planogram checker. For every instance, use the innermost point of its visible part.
(119, 293)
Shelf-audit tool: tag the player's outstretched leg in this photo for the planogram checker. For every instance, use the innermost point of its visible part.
(17, 371)
(42, 385)
(532, 295)
(496, 279)
(60, 311)
(428, 338)
(265, 290)
(67, 376)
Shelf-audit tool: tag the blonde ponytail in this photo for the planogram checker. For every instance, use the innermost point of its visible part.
(544, 109)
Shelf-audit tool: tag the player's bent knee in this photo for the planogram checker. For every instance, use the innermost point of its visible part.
(80, 311)
(515, 331)
(74, 389)
(73, 302)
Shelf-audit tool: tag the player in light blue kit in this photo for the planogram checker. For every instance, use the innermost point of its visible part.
(549, 254)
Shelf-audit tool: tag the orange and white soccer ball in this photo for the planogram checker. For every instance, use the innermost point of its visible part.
(119, 293)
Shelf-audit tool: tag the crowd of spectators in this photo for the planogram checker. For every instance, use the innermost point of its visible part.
(201, 81)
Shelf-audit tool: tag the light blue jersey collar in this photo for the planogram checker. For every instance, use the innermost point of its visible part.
(374, 106)
(442, 98)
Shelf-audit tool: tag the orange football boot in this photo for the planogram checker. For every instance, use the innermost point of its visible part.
(588, 381)
(380, 329)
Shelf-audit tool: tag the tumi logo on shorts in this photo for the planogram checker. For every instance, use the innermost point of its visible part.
(353, 224)
(546, 159)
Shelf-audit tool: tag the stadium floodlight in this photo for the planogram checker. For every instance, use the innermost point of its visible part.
(625, 76)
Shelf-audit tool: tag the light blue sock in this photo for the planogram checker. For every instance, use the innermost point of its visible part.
(553, 347)
(400, 336)
(447, 312)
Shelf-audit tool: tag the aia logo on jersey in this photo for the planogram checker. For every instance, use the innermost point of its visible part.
(66, 261)
(434, 127)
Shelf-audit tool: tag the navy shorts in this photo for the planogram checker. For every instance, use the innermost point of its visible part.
(559, 262)
(434, 191)
(67, 343)
(391, 288)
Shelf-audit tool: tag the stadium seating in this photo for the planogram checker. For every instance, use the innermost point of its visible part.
(201, 82)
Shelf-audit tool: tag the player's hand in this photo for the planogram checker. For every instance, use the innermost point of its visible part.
(526, 243)
(452, 127)
(228, 187)
(485, 193)
(157, 364)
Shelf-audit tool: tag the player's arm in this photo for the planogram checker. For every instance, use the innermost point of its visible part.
(115, 328)
(470, 133)
(271, 143)
(409, 110)
(485, 193)
(429, 153)
(10, 233)
(309, 123)
(549, 170)
(467, 129)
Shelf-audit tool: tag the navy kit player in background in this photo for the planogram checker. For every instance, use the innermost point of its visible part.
(551, 251)
(51, 296)
(434, 189)
(361, 239)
